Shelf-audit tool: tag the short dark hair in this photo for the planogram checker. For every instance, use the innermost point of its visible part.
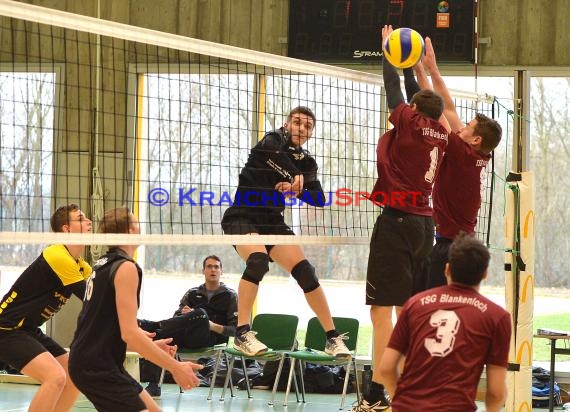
(61, 216)
(211, 257)
(428, 103)
(490, 131)
(116, 221)
(303, 110)
(468, 260)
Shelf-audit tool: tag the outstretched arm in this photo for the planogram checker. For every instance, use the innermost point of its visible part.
(410, 83)
(421, 75)
(417, 83)
(394, 94)
(439, 86)
(424, 83)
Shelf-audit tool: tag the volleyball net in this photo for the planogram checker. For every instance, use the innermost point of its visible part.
(103, 114)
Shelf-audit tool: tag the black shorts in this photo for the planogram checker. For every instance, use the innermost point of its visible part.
(244, 220)
(109, 390)
(438, 259)
(399, 247)
(20, 346)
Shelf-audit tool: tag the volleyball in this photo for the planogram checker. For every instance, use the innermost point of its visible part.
(403, 47)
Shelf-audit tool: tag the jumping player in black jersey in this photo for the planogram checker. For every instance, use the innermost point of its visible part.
(37, 295)
(107, 326)
(277, 170)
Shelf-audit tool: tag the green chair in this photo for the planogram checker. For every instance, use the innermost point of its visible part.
(278, 332)
(315, 340)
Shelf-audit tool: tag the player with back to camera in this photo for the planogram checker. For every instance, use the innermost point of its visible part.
(408, 158)
(107, 326)
(278, 169)
(446, 335)
(461, 178)
(36, 296)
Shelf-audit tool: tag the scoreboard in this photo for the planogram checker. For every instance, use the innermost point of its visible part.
(349, 31)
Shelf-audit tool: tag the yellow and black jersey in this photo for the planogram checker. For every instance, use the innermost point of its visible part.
(43, 288)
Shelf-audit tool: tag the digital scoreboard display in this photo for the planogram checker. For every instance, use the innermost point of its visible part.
(349, 31)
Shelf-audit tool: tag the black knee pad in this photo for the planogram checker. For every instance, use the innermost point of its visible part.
(257, 266)
(304, 274)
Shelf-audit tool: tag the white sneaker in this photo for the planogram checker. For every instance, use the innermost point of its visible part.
(336, 347)
(364, 406)
(249, 344)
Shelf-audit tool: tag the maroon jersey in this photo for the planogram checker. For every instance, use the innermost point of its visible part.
(408, 159)
(458, 188)
(447, 334)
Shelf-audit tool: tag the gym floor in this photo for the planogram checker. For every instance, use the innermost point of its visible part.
(15, 397)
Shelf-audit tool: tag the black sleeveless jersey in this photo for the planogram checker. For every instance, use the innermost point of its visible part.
(97, 344)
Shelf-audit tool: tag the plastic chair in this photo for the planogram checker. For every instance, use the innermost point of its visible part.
(315, 341)
(278, 332)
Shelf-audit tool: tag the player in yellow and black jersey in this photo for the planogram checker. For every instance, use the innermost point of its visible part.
(37, 295)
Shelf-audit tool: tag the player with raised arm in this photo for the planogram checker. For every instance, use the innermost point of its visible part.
(460, 182)
(408, 158)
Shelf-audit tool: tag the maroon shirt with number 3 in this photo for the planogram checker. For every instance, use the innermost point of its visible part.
(408, 159)
(447, 334)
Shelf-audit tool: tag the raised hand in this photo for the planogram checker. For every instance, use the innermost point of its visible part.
(428, 59)
(386, 30)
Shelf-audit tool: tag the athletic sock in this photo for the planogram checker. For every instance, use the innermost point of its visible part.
(333, 333)
(243, 329)
(375, 393)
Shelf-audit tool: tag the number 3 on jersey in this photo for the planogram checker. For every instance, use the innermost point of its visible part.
(447, 324)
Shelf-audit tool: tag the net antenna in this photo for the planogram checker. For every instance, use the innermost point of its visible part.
(97, 197)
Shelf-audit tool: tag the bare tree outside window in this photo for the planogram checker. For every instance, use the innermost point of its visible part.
(26, 157)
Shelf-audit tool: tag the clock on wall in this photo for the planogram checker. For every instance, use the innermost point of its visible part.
(349, 31)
